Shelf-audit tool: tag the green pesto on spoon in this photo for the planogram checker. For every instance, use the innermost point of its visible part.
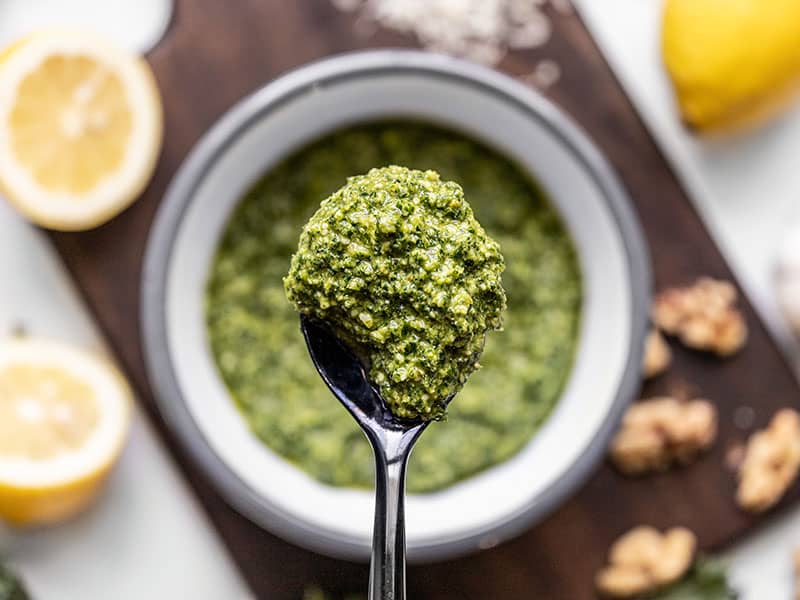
(397, 284)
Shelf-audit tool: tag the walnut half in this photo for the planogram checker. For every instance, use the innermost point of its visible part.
(771, 462)
(644, 560)
(657, 355)
(703, 316)
(658, 432)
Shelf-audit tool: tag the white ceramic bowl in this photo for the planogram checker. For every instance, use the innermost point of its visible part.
(300, 107)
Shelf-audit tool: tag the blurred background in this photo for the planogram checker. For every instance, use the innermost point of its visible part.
(692, 104)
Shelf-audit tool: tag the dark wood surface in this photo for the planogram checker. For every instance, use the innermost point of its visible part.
(216, 52)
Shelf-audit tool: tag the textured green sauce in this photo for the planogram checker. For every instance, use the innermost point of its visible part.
(255, 337)
(396, 262)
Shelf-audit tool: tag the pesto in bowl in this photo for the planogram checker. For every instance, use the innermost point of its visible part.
(397, 263)
(260, 353)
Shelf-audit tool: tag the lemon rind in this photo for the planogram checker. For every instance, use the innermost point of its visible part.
(103, 446)
(120, 188)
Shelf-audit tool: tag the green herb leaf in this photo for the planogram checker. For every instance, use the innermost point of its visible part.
(706, 580)
(11, 587)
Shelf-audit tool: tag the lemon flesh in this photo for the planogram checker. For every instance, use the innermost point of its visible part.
(43, 411)
(80, 128)
(64, 416)
(733, 63)
(70, 124)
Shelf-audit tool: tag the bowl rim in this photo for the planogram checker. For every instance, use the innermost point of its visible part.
(180, 192)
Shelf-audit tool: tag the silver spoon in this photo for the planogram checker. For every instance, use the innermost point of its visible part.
(391, 438)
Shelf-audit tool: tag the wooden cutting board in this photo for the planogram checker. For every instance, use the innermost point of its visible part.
(215, 53)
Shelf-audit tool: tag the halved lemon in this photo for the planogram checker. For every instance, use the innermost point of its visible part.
(80, 128)
(64, 418)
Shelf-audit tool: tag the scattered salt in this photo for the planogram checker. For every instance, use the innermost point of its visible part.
(544, 75)
(532, 34)
(479, 30)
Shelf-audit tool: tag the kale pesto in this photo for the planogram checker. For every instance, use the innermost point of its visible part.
(259, 350)
(396, 262)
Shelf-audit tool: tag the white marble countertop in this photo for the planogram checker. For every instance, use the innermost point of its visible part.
(147, 537)
(137, 25)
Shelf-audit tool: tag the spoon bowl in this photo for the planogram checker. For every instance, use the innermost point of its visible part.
(391, 438)
(345, 375)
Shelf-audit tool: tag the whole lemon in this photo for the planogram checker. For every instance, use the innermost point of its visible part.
(733, 63)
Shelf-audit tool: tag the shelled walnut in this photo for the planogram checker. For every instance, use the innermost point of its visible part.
(657, 355)
(771, 462)
(658, 432)
(703, 316)
(644, 560)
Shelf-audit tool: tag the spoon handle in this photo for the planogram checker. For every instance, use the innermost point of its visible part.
(387, 579)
